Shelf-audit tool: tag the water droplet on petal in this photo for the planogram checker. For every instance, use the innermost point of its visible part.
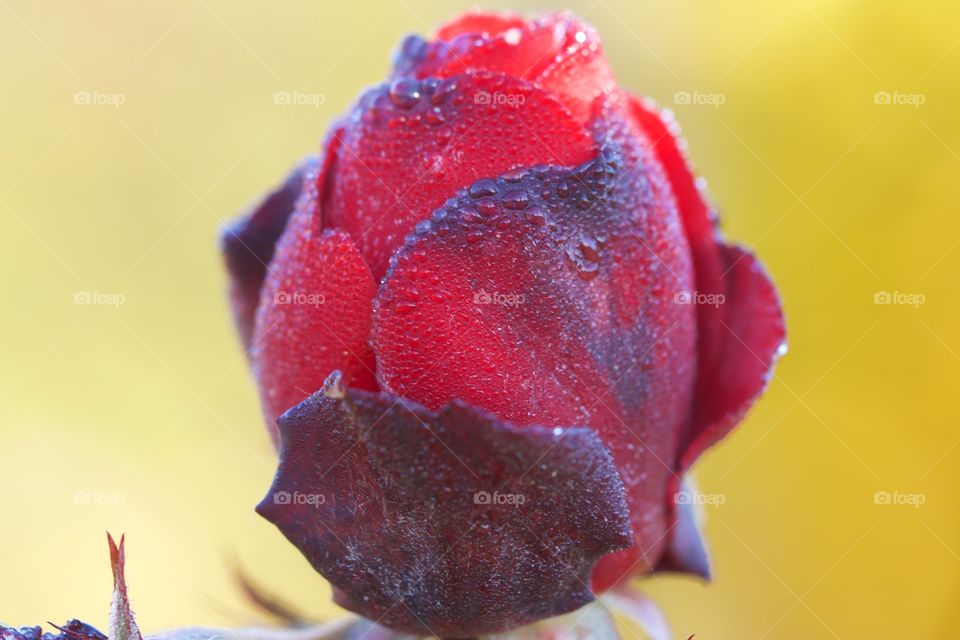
(483, 188)
(405, 93)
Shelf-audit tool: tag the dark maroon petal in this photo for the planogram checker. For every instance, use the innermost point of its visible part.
(548, 296)
(248, 242)
(71, 630)
(451, 523)
(686, 551)
(739, 338)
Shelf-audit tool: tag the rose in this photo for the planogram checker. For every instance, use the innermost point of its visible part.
(501, 157)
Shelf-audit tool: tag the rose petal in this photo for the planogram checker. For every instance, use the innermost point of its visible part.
(71, 630)
(407, 147)
(686, 551)
(521, 52)
(752, 339)
(247, 244)
(556, 52)
(314, 315)
(581, 73)
(548, 296)
(739, 338)
(451, 523)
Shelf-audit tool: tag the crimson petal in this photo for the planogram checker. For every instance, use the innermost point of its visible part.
(451, 523)
(548, 296)
(752, 339)
(558, 53)
(406, 147)
(314, 315)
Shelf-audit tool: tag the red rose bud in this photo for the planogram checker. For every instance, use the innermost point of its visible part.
(496, 325)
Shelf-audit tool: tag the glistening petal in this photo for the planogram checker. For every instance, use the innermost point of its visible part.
(314, 316)
(408, 146)
(549, 296)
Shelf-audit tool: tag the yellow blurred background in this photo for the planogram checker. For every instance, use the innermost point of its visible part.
(132, 130)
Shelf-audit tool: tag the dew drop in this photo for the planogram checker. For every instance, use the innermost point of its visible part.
(483, 188)
(516, 175)
(405, 93)
(515, 199)
(536, 216)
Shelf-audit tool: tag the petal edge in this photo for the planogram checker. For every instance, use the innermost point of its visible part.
(413, 533)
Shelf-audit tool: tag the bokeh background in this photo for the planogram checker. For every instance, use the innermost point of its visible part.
(132, 130)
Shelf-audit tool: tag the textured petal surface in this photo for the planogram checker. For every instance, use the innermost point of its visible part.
(248, 244)
(557, 52)
(548, 296)
(408, 146)
(314, 315)
(449, 523)
(740, 323)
